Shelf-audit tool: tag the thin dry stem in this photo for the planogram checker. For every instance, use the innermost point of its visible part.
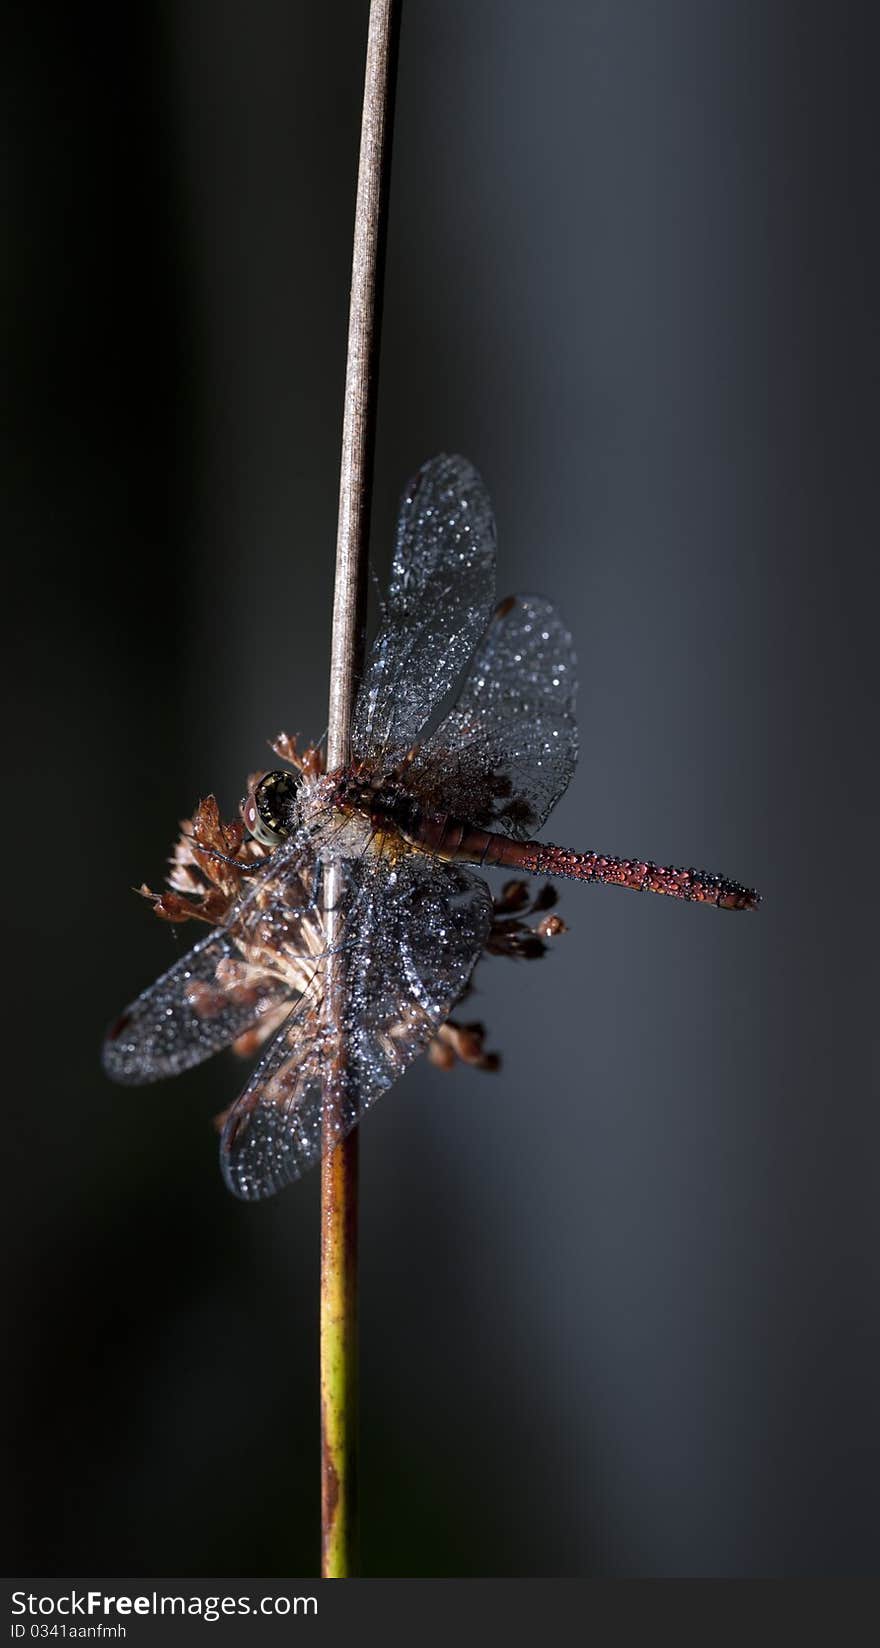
(339, 1167)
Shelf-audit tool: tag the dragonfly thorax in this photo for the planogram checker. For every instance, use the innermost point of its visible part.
(349, 814)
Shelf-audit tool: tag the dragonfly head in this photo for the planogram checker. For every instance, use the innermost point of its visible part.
(268, 808)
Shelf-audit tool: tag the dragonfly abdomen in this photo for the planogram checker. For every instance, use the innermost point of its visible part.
(543, 858)
(445, 836)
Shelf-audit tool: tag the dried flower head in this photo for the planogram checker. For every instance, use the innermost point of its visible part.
(210, 865)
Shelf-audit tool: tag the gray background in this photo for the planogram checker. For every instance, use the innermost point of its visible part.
(620, 1302)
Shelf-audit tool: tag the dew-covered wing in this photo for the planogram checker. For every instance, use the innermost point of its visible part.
(411, 936)
(440, 595)
(505, 753)
(232, 980)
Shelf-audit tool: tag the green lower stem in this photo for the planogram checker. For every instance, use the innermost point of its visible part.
(339, 1360)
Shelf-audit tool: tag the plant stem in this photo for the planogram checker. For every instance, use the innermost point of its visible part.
(339, 1166)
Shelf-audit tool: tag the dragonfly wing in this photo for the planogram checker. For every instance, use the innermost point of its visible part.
(411, 935)
(440, 595)
(227, 984)
(505, 753)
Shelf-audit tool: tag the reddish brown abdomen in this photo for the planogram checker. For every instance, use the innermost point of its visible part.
(542, 858)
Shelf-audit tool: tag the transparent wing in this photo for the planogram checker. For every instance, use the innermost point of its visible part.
(411, 936)
(441, 592)
(505, 753)
(231, 980)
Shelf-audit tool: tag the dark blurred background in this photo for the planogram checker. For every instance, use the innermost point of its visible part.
(619, 1302)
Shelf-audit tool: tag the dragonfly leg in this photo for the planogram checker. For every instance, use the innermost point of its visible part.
(244, 866)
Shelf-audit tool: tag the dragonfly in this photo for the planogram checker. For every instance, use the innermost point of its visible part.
(439, 785)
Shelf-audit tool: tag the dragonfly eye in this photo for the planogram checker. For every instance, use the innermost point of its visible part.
(268, 809)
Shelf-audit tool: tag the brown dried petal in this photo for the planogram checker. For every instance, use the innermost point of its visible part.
(252, 1040)
(551, 927)
(546, 897)
(514, 896)
(440, 1054)
(284, 746)
(462, 1041)
(172, 906)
